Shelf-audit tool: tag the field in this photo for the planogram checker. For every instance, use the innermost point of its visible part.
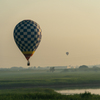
(45, 79)
(40, 84)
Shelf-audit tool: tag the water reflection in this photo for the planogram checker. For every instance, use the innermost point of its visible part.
(78, 91)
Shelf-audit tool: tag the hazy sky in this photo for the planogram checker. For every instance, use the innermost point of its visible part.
(67, 25)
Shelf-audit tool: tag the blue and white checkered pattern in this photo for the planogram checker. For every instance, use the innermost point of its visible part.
(27, 35)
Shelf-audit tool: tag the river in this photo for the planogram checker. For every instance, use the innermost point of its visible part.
(78, 91)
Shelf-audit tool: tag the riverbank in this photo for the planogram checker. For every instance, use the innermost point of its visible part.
(78, 91)
(43, 94)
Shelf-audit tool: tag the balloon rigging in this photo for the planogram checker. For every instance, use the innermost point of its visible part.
(27, 36)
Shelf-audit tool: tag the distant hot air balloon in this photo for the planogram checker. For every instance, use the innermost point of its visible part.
(67, 53)
(27, 35)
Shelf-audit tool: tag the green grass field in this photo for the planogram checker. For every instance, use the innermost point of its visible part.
(33, 78)
(40, 84)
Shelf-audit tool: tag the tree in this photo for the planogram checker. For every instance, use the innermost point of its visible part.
(83, 67)
(52, 69)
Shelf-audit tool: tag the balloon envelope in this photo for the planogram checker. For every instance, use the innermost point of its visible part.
(67, 53)
(27, 35)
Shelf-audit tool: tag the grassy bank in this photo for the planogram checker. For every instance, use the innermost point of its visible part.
(43, 94)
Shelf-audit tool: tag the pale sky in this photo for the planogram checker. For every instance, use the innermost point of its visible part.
(67, 26)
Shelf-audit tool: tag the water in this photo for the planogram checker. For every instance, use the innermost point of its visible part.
(78, 91)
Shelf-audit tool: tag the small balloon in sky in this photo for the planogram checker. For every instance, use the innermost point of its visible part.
(67, 53)
(27, 36)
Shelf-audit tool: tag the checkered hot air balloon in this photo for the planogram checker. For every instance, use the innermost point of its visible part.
(27, 35)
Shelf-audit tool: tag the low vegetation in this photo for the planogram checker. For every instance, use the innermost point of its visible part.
(40, 84)
(54, 80)
(44, 94)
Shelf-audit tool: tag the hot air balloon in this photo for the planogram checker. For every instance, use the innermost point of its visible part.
(27, 36)
(67, 53)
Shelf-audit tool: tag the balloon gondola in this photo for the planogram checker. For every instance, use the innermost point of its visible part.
(27, 36)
